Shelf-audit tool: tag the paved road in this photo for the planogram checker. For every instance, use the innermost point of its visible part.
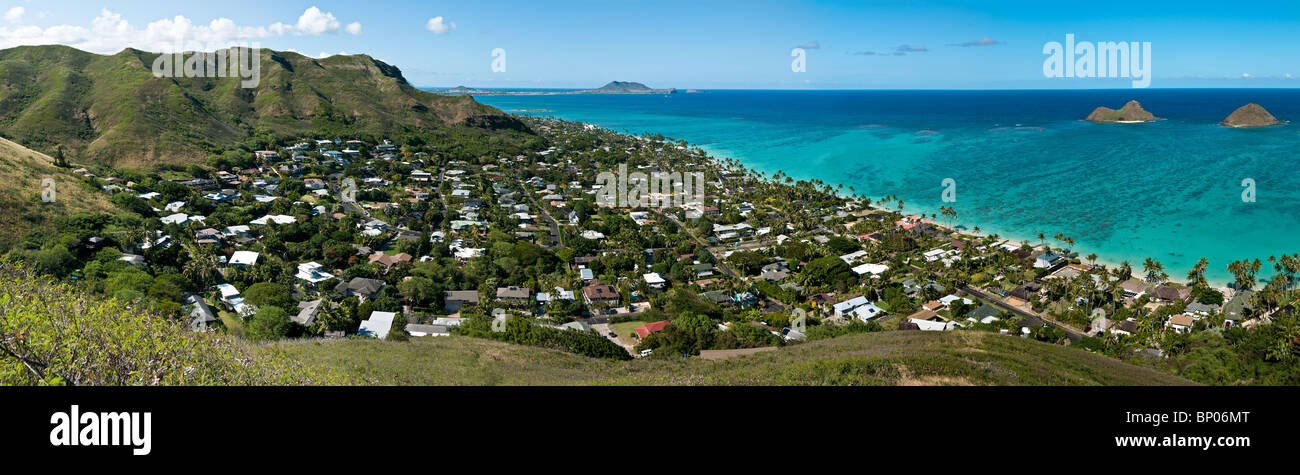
(1073, 334)
(557, 239)
(719, 264)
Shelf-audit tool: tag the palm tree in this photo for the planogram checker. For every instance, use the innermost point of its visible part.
(1154, 269)
(1241, 270)
(202, 268)
(1092, 259)
(1197, 275)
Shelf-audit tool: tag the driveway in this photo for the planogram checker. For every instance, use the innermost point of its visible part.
(603, 329)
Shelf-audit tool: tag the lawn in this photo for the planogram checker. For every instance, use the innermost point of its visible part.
(627, 331)
(234, 324)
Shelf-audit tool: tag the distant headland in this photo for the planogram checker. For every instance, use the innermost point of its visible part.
(1131, 113)
(614, 87)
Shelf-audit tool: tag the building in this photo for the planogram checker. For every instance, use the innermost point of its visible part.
(307, 312)
(244, 259)
(654, 280)
(360, 287)
(597, 292)
(378, 325)
(653, 327)
(201, 315)
(514, 295)
(858, 307)
(312, 273)
(454, 300)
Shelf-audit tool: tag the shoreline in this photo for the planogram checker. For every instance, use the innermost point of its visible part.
(718, 154)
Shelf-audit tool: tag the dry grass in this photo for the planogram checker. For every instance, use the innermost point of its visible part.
(21, 172)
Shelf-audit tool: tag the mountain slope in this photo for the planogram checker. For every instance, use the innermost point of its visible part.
(111, 109)
(885, 358)
(21, 173)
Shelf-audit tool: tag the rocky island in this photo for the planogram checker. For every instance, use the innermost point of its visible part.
(1129, 114)
(1250, 115)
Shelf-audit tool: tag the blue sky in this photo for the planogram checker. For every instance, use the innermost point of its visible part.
(710, 44)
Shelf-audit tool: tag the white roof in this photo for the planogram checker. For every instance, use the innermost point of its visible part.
(851, 304)
(849, 258)
(653, 278)
(949, 299)
(178, 218)
(926, 325)
(246, 258)
(227, 291)
(311, 272)
(278, 219)
(378, 324)
(873, 269)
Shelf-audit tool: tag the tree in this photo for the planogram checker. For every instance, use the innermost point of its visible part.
(828, 270)
(268, 324)
(1197, 275)
(269, 294)
(1155, 270)
(421, 291)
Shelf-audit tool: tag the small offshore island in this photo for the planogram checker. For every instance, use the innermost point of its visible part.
(1250, 115)
(614, 87)
(1131, 113)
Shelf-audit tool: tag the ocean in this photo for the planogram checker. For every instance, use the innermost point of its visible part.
(1023, 162)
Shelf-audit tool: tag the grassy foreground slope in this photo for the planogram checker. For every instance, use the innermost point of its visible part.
(21, 173)
(886, 358)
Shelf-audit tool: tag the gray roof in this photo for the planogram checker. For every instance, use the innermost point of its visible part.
(461, 295)
(307, 312)
(360, 286)
(513, 292)
(984, 311)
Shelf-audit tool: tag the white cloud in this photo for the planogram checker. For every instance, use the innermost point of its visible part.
(315, 22)
(1246, 76)
(438, 26)
(110, 33)
(15, 14)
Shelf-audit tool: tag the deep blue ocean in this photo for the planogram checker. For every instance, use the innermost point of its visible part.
(1023, 161)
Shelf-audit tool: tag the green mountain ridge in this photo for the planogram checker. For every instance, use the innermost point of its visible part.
(112, 110)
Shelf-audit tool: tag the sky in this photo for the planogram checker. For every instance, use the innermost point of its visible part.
(706, 44)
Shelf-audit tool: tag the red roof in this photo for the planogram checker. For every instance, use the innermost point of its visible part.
(652, 327)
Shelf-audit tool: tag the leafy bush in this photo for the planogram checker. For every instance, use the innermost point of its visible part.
(52, 334)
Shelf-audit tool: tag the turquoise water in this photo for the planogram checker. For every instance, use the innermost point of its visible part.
(1023, 161)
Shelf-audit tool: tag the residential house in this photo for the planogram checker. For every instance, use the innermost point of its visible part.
(360, 287)
(244, 259)
(597, 292)
(378, 325)
(454, 300)
(514, 295)
(307, 312)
